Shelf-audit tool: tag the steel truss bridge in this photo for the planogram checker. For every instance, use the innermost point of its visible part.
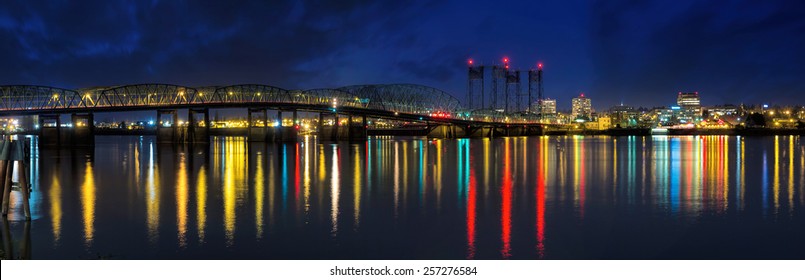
(393, 101)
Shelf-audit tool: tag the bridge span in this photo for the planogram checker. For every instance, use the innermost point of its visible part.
(441, 113)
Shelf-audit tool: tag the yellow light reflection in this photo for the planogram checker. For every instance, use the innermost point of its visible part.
(776, 183)
(487, 165)
(54, 194)
(725, 193)
(233, 178)
(322, 166)
(181, 201)
(259, 194)
(201, 203)
(356, 178)
(790, 174)
(88, 204)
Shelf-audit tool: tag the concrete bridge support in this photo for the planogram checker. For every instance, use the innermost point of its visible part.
(356, 131)
(288, 133)
(263, 130)
(353, 130)
(52, 134)
(447, 131)
(50, 131)
(198, 127)
(258, 125)
(328, 132)
(168, 131)
(517, 130)
(83, 130)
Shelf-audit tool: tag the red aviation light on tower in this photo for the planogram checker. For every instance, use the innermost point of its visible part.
(539, 66)
(506, 62)
(582, 94)
(469, 62)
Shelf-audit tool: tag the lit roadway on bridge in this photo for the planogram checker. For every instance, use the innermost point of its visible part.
(392, 101)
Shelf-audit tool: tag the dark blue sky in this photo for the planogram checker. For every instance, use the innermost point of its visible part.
(638, 52)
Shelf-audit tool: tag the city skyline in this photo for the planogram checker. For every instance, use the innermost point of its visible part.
(616, 52)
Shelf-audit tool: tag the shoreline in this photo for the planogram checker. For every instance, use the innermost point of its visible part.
(608, 132)
(683, 132)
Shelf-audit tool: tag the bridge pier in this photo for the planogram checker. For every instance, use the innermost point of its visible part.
(168, 128)
(288, 133)
(447, 131)
(257, 122)
(198, 132)
(83, 132)
(50, 131)
(52, 134)
(352, 131)
(356, 132)
(327, 133)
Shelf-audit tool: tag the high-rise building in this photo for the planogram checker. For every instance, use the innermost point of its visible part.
(582, 107)
(545, 106)
(688, 99)
(690, 107)
(624, 115)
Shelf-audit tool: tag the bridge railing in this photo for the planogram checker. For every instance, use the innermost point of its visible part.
(397, 98)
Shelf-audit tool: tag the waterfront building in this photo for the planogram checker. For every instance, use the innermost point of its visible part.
(689, 107)
(623, 115)
(722, 110)
(546, 106)
(582, 107)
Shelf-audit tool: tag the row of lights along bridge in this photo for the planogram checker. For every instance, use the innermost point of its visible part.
(505, 94)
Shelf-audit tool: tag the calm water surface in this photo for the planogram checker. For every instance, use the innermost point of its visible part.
(410, 198)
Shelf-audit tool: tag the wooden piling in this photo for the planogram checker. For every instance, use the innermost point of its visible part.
(13, 153)
(25, 188)
(5, 188)
(9, 168)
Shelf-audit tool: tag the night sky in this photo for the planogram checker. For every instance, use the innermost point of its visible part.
(634, 52)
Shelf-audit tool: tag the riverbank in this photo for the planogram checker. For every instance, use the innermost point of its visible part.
(695, 131)
(608, 132)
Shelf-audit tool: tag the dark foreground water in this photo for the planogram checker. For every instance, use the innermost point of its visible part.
(408, 198)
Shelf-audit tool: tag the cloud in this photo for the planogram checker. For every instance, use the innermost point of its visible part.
(77, 44)
(741, 51)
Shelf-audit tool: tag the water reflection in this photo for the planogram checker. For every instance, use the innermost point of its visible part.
(259, 193)
(234, 189)
(542, 174)
(356, 178)
(56, 208)
(335, 185)
(201, 203)
(181, 200)
(472, 198)
(88, 203)
(538, 197)
(23, 244)
(152, 193)
(506, 202)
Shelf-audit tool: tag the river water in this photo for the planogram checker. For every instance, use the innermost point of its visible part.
(558, 197)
